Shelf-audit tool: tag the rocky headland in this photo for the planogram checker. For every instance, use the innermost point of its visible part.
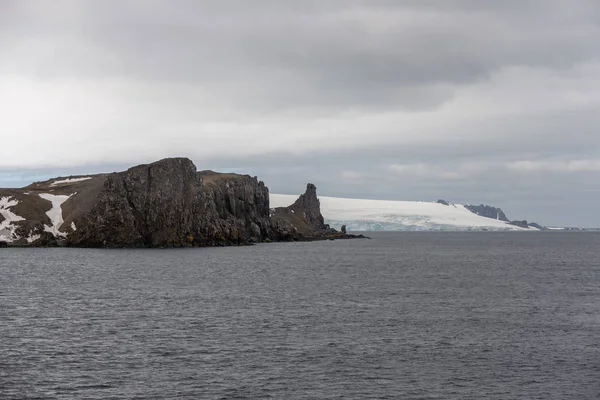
(167, 203)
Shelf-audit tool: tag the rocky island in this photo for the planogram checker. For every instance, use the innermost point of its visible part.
(167, 203)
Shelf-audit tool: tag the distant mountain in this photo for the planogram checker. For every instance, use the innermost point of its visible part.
(384, 215)
(497, 213)
(488, 212)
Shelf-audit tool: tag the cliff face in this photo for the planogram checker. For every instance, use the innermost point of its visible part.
(242, 199)
(166, 203)
(309, 206)
(145, 205)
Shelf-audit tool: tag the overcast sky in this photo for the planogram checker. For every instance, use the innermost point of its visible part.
(472, 101)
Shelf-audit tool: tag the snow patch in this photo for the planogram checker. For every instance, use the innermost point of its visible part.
(70, 180)
(73, 226)
(32, 238)
(385, 215)
(55, 213)
(7, 229)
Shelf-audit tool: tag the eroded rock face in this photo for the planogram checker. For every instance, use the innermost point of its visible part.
(242, 201)
(303, 220)
(168, 203)
(309, 206)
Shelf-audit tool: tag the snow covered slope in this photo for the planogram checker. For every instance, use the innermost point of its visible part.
(55, 213)
(384, 215)
(7, 229)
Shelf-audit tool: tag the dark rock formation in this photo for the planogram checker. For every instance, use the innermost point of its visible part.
(522, 224)
(442, 201)
(343, 229)
(163, 204)
(147, 205)
(488, 212)
(168, 203)
(497, 213)
(309, 205)
(3, 244)
(537, 226)
(303, 220)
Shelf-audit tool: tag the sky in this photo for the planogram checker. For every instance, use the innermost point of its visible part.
(472, 101)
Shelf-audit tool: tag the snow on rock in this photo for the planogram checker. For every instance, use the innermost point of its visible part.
(70, 180)
(32, 238)
(385, 215)
(7, 229)
(55, 213)
(73, 226)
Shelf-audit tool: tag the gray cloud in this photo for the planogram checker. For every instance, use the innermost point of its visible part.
(470, 100)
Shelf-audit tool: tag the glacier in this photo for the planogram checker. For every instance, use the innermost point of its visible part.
(392, 215)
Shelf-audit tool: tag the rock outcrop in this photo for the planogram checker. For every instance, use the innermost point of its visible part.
(166, 203)
(537, 226)
(169, 203)
(497, 213)
(521, 224)
(488, 212)
(303, 220)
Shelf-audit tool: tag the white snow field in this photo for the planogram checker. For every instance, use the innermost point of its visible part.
(55, 213)
(386, 215)
(7, 229)
(69, 180)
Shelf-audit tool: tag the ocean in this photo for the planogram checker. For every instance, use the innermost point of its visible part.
(402, 316)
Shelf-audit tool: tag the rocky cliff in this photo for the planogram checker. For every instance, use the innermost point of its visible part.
(303, 217)
(166, 203)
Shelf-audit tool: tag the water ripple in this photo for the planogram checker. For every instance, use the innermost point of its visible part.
(410, 316)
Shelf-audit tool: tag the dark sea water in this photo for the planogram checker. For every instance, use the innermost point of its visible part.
(402, 316)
